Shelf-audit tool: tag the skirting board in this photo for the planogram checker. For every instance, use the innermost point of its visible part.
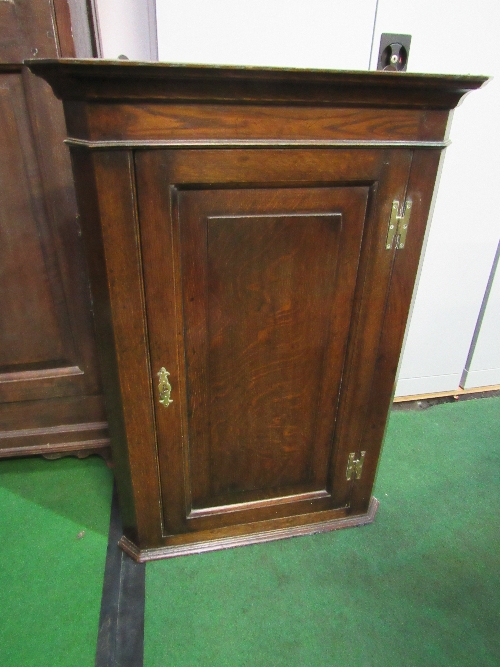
(455, 392)
(143, 555)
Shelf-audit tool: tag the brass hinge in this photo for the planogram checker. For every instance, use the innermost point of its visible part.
(398, 225)
(354, 466)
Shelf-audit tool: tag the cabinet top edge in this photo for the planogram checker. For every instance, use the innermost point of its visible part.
(112, 80)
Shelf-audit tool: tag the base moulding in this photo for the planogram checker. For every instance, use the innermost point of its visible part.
(157, 553)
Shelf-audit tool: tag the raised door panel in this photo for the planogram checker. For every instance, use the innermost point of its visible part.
(255, 296)
(268, 278)
(30, 328)
(39, 356)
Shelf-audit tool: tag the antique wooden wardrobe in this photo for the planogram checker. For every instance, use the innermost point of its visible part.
(50, 389)
(253, 237)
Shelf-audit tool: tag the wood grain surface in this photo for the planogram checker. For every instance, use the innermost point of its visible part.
(255, 270)
(48, 353)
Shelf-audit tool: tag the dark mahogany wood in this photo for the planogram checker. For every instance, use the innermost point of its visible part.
(118, 81)
(50, 390)
(235, 222)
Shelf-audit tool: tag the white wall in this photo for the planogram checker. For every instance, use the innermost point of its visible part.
(280, 33)
(127, 27)
(483, 365)
(456, 38)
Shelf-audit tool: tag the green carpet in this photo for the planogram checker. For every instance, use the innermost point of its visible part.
(54, 521)
(419, 587)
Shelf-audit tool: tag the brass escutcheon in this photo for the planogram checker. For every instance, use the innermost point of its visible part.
(164, 387)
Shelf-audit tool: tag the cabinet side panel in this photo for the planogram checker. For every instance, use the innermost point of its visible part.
(93, 173)
(370, 304)
(422, 177)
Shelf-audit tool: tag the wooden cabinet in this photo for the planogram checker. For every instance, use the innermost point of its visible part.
(50, 389)
(238, 226)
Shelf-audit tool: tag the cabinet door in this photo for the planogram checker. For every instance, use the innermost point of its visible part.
(261, 272)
